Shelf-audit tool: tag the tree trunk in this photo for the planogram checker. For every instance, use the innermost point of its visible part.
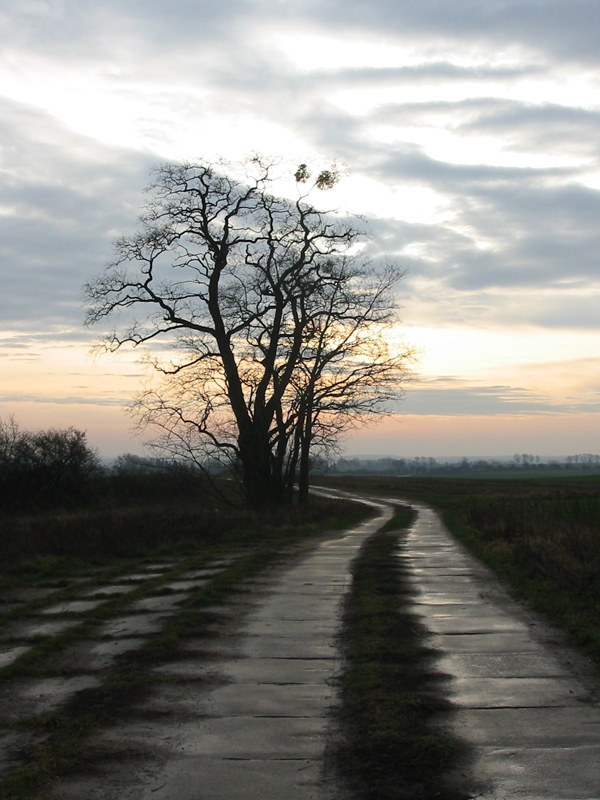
(303, 475)
(262, 486)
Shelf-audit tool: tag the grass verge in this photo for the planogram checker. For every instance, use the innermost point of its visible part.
(391, 694)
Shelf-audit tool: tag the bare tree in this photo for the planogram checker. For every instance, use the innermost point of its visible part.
(276, 322)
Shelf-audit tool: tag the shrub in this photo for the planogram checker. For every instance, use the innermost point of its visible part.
(41, 468)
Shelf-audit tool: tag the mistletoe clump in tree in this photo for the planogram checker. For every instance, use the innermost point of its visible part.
(276, 322)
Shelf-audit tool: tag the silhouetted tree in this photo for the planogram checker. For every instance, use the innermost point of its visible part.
(277, 321)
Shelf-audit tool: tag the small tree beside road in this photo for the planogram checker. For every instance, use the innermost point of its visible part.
(276, 322)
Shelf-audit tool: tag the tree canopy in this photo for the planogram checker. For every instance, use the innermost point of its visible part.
(275, 321)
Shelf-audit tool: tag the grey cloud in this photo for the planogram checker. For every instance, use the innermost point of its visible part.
(564, 30)
(64, 199)
(76, 194)
(460, 398)
(545, 127)
(440, 72)
(541, 228)
(551, 127)
(128, 33)
(75, 30)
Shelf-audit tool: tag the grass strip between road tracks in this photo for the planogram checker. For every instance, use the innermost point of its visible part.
(390, 747)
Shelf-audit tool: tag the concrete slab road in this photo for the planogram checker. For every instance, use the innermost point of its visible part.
(248, 714)
(249, 720)
(527, 704)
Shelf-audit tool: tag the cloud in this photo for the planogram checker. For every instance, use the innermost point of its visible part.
(63, 199)
(453, 397)
(469, 130)
(556, 28)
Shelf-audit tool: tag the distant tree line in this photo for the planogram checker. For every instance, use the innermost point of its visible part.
(424, 465)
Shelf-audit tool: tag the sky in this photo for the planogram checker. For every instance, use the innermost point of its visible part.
(469, 136)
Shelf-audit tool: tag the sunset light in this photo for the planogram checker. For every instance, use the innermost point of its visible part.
(466, 139)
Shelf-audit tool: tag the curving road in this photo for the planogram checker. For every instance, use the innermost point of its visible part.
(248, 715)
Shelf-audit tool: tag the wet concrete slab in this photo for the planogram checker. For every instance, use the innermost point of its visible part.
(307, 589)
(515, 692)
(276, 700)
(292, 607)
(133, 625)
(430, 571)
(482, 643)
(294, 627)
(228, 737)
(427, 598)
(92, 656)
(187, 585)
(35, 697)
(10, 653)
(159, 602)
(245, 714)
(278, 670)
(195, 669)
(140, 577)
(33, 629)
(214, 695)
(484, 623)
(551, 773)
(207, 572)
(201, 778)
(526, 704)
(501, 665)
(290, 647)
(72, 607)
(110, 590)
(557, 726)
(160, 566)
(435, 609)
